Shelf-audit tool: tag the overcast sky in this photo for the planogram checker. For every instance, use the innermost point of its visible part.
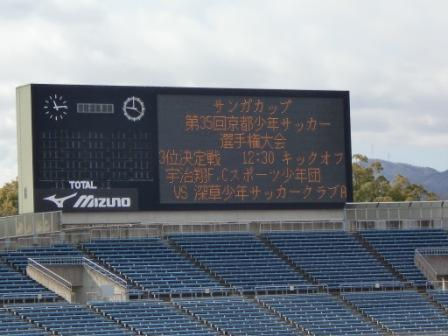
(391, 55)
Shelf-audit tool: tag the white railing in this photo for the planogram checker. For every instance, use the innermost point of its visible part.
(30, 224)
(111, 276)
(50, 274)
(423, 264)
(78, 261)
(438, 250)
(371, 285)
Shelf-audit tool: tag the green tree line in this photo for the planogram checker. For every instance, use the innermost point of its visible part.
(9, 202)
(369, 185)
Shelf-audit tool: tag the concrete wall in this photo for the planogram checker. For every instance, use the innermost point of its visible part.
(95, 282)
(179, 217)
(25, 149)
(46, 281)
(71, 273)
(87, 284)
(439, 263)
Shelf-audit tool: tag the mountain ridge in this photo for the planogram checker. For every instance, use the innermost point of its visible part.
(432, 179)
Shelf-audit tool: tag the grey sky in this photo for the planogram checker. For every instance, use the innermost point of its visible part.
(391, 55)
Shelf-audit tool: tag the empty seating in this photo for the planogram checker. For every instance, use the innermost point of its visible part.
(71, 319)
(401, 312)
(320, 314)
(334, 258)
(440, 296)
(238, 316)
(398, 248)
(12, 325)
(154, 318)
(16, 287)
(153, 265)
(240, 259)
(19, 258)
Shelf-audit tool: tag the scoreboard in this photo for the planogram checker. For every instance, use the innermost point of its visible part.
(117, 148)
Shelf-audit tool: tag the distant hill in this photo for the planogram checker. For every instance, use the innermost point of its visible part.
(430, 178)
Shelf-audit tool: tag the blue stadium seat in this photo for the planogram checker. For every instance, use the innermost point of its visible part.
(441, 296)
(16, 287)
(238, 316)
(402, 312)
(241, 260)
(398, 248)
(153, 265)
(19, 258)
(154, 318)
(12, 325)
(320, 314)
(334, 258)
(70, 319)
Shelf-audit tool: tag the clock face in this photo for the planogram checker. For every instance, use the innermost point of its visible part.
(134, 108)
(55, 107)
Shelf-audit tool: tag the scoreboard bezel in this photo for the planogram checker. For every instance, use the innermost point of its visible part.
(155, 204)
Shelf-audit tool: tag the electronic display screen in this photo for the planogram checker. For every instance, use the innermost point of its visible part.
(114, 148)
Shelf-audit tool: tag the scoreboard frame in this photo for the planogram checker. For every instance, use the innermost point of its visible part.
(29, 105)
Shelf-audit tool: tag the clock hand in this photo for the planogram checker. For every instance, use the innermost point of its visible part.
(56, 107)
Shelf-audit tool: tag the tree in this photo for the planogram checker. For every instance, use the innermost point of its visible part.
(9, 199)
(370, 186)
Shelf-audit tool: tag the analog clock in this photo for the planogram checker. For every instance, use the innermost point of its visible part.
(55, 107)
(133, 108)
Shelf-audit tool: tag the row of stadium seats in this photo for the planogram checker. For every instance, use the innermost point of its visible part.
(70, 319)
(398, 248)
(240, 259)
(153, 265)
(243, 261)
(15, 286)
(403, 312)
(13, 325)
(320, 314)
(153, 318)
(237, 316)
(19, 258)
(332, 258)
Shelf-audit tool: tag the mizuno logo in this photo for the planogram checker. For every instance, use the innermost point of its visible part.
(59, 201)
(90, 201)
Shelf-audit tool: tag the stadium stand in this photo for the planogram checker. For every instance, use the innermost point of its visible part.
(70, 319)
(181, 267)
(153, 265)
(16, 287)
(241, 260)
(238, 316)
(402, 312)
(13, 325)
(439, 296)
(319, 314)
(398, 248)
(334, 258)
(19, 258)
(154, 318)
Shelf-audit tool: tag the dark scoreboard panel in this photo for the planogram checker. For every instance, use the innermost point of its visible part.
(110, 148)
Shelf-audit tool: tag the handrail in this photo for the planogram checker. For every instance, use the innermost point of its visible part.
(419, 260)
(438, 250)
(55, 277)
(81, 261)
(113, 277)
(371, 285)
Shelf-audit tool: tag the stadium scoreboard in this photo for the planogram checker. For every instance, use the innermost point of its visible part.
(119, 148)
